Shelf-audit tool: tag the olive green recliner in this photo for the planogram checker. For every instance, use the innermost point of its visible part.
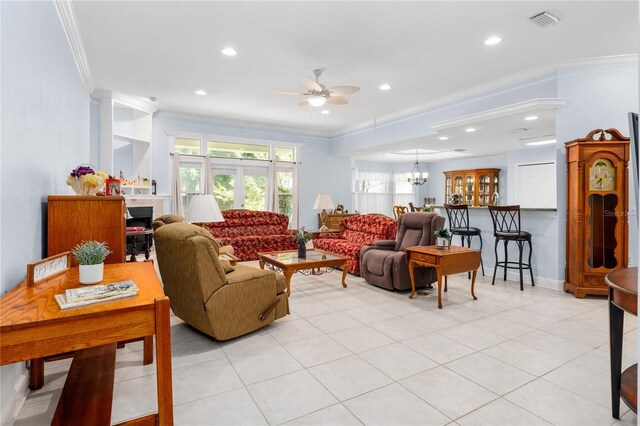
(221, 304)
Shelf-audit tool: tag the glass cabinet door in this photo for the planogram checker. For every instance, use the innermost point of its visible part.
(484, 190)
(458, 185)
(447, 188)
(469, 190)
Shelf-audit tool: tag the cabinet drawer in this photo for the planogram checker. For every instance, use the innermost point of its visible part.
(424, 257)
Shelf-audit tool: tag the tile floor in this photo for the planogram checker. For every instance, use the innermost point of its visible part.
(363, 355)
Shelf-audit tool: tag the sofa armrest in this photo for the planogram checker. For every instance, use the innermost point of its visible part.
(384, 244)
(331, 235)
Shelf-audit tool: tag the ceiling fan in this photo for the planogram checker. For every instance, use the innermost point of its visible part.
(317, 94)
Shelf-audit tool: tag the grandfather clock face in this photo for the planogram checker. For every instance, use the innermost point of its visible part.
(602, 175)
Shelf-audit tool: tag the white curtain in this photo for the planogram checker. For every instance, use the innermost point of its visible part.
(373, 192)
(295, 216)
(272, 188)
(176, 193)
(208, 184)
(403, 191)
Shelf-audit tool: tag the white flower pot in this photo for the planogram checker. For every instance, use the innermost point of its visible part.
(91, 274)
(443, 242)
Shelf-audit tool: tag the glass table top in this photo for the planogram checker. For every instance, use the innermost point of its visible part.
(292, 256)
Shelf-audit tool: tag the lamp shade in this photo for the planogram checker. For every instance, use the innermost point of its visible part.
(324, 202)
(203, 208)
(317, 101)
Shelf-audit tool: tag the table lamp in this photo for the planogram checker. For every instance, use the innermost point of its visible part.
(203, 208)
(324, 202)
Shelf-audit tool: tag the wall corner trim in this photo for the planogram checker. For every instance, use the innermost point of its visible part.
(71, 30)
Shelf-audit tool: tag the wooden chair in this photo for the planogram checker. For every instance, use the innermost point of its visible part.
(399, 211)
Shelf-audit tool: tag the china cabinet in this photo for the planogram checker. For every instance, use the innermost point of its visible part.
(476, 186)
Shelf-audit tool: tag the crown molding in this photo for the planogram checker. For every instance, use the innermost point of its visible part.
(534, 75)
(74, 38)
(534, 104)
(244, 125)
(127, 100)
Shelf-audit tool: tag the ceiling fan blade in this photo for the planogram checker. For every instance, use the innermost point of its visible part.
(337, 100)
(277, 92)
(343, 90)
(303, 102)
(311, 85)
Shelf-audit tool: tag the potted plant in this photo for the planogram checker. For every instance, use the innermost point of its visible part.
(302, 237)
(91, 255)
(443, 239)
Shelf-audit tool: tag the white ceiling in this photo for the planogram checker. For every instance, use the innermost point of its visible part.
(425, 50)
(492, 136)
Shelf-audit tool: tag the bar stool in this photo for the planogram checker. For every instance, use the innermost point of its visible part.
(506, 227)
(459, 224)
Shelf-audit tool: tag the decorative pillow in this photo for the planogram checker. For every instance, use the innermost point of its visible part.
(227, 266)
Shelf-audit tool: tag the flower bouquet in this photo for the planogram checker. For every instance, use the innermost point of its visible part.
(84, 180)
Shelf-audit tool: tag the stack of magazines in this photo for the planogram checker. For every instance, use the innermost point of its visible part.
(75, 297)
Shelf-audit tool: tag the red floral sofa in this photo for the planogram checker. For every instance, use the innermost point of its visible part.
(250, 232)
(355, 233)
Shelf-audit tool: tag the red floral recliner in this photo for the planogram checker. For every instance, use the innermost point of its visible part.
(355, 233)
(250, 232)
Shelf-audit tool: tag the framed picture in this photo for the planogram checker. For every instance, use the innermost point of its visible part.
(113, 187)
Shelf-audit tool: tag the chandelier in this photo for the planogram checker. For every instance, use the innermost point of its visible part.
(416, 177)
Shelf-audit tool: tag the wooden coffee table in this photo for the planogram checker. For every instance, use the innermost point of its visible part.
(453, 260)
(317, 262)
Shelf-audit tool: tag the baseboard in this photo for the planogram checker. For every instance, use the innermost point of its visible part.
(514, 275)
(12, 407)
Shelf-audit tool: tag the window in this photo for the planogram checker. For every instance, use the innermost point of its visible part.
(187, 146)
(189, 184)
(285, 154)
(235, 150)
(536, 185)
(285, 193)
(372, 192)
(403, 193)
(240, 173)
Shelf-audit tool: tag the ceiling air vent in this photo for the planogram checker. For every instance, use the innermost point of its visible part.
(518, 130)
(544, 19)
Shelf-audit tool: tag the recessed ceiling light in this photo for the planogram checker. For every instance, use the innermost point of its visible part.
(385, 86)
(152, 98)
(547, 142)
(200, 92)
(443, 138)
(531, 118)
(325, 111)
(229, 51)
(493, 40)
(470, 129)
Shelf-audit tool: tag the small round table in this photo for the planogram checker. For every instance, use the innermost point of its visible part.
(623, 296)
(131, 239)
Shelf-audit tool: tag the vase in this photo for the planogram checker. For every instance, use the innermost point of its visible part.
(443, 243)
(302, 250)
(91, 274)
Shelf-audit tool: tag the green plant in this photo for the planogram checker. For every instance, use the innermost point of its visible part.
(301, 236)
(91, 252)
(443, 233)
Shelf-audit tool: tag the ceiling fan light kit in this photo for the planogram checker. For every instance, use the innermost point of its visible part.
(318, 94)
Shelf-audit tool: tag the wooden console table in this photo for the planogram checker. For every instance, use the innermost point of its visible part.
(454, 260)
(33, 326)
(623, 296)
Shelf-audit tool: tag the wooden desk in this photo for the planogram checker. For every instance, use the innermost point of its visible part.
(454, 260)
(623, 296)
(33, 326)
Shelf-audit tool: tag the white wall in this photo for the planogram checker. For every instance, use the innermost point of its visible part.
(600, 98)
(45, 133)
(319, 171)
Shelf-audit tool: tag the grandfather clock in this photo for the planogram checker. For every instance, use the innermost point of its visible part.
(597, 206)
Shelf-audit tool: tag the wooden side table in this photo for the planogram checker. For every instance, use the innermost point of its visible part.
(623, 297)
(453, 260)
(132, 239)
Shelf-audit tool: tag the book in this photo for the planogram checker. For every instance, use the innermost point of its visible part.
(64, 304)
(101, 291)
(134, 228)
